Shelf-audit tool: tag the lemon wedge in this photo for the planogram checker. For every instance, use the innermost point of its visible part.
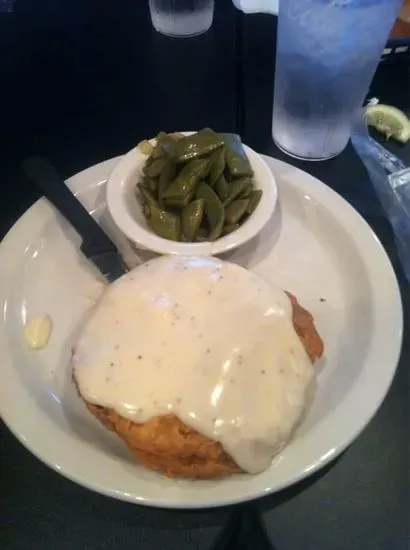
(389, 121)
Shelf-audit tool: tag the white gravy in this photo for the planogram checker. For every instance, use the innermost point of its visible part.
(205, 340)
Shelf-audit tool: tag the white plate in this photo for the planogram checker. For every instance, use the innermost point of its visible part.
(318, 248)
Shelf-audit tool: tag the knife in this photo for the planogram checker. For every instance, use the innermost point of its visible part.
(96, 244)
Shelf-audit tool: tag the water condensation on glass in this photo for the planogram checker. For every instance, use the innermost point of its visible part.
(331, 27)
(181, 17)
(327, 52)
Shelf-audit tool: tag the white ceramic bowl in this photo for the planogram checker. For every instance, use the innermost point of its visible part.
(127, 213)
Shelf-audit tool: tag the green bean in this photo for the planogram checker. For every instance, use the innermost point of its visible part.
(150, 183)
(214, 210)
(179, 201)
(235, 156)
(192, 216)
(155, 167)
(221, 187)
(165, 178)
(147, 197)
(168, 144)
(236, 160)
(254, 199)
(217, 165)
(165, 224)
(235, 210)
(236, 187)
(246, 192)
(182, 188)
(197, 145)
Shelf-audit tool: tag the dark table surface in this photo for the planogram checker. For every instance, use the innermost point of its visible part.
(83, 81)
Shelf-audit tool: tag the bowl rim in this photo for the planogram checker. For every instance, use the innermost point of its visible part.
(118, 183)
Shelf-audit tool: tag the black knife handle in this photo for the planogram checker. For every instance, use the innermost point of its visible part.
(95, 240)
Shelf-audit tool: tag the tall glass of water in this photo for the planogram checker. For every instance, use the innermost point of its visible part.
(327, 52)
(181, 18)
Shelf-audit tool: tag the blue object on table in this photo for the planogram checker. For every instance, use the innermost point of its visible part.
(391, 180)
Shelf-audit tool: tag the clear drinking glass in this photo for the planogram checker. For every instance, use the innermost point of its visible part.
(327, 52)
(181, 18)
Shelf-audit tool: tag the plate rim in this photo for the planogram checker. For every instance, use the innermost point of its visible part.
(75, 184)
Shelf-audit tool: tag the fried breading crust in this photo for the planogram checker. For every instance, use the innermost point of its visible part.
(305, 328)
(167, 445)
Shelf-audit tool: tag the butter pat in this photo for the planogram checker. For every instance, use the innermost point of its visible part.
(37, 331)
